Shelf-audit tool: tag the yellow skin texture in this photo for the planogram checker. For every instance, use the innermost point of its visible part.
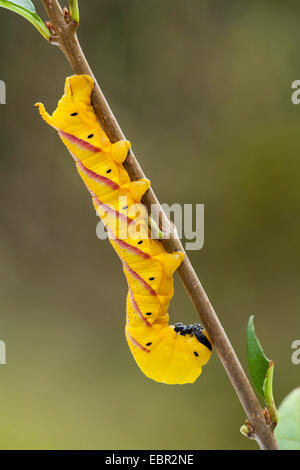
(161, 353)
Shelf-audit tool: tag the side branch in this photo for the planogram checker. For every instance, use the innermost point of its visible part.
(65, 37)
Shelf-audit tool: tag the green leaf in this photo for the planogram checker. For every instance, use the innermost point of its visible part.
(26, 9)
(268, 393)
(257, 361)
(287, 432)
(27, 4)
(74, 10)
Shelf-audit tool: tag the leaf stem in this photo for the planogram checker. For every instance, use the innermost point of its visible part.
(268, 393)
(74, 10)
(155, 229)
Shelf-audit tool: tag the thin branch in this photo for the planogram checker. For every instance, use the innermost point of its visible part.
(70, 46)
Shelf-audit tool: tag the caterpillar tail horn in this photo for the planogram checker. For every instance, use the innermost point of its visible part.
(44, 113)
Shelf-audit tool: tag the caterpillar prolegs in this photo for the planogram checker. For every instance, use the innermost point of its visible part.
(165, 353)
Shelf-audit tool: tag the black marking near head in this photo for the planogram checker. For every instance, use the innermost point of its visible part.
(140, 242)
(148, 344)
(90, 136)
(196, 354)
(196, 327)
(108, 171)
(202, 338)
(149, 313)
(73, 114)
(178, 327)
(125, 207)
(193, 330)
(151, 278)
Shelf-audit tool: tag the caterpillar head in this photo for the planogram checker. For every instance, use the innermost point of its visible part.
(170, 354)
(74, 113)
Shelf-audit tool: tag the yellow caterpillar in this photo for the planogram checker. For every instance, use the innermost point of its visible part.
(169, 354)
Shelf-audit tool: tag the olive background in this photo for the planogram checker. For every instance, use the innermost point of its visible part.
(203, 91)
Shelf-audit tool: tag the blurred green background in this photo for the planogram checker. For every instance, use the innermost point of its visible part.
(202, 89)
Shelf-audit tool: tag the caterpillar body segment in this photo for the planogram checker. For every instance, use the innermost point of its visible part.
(165, 353)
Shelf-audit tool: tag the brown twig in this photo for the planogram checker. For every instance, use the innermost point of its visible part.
(68, 43)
